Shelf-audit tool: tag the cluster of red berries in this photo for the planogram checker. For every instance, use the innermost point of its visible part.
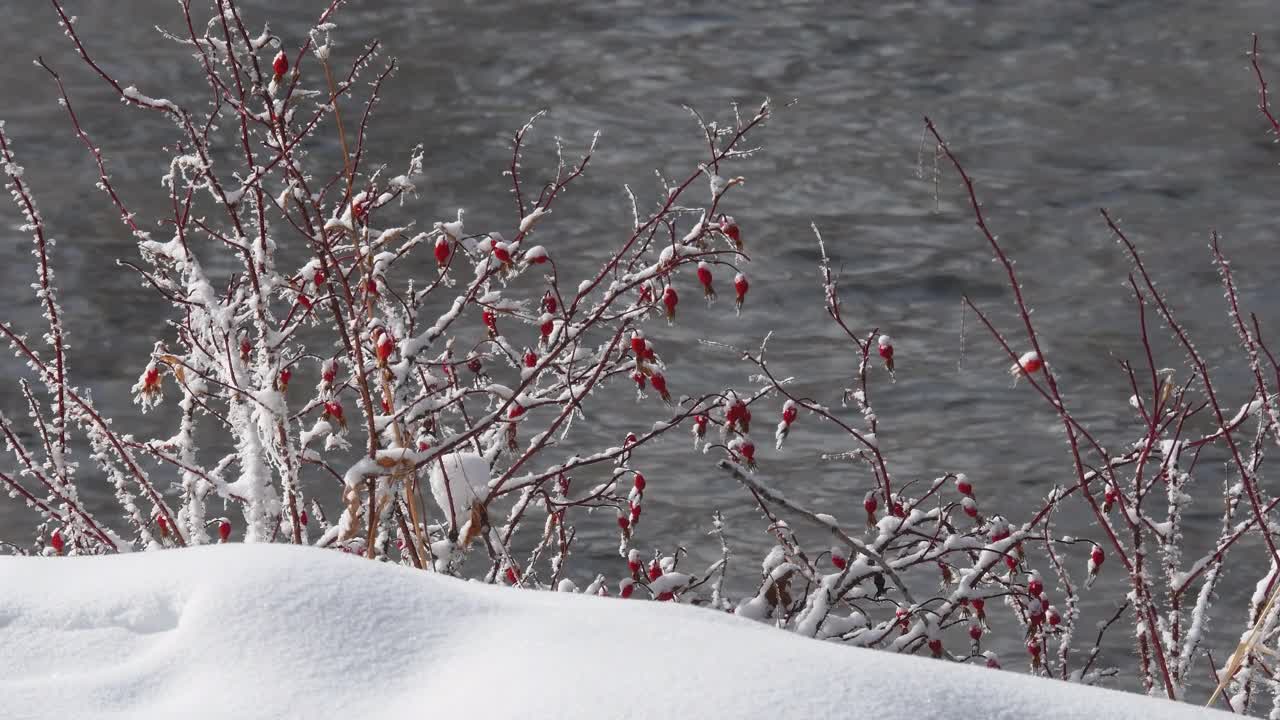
(628, 519)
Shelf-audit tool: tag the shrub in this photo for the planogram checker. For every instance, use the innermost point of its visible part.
(462, 360)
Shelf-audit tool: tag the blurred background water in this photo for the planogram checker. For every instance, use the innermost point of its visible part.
(1146, 107)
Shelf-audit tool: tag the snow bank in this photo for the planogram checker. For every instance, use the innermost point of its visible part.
(271, 631)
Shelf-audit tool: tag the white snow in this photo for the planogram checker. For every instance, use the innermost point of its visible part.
(528, 221)
(535, 253)
(132, 93)
(462, 476)
(275, 631)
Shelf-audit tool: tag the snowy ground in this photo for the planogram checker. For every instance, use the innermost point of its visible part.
(270, 631)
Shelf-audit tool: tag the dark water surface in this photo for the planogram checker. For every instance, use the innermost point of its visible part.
(1057, 108)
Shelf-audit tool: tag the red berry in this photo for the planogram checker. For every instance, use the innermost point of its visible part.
(386, 344)
(549, 302)
(473, 364)
(442, 251)
(669, 300)
(1097, 556)
(660, 384)
(1054, 618)
(516, 411)
(628, 587)
(740, 287)
(319, 278)
(245, 348)
(304, 301)
(623, 523)
(1113, 494)
(512, 575)
(870, 504)
(640, 482)
(163, 525)
(1034, 586)
(886, 351)
(975, 632)
(979, 607)
(964, 486)
(748, 450)
(731, 229)
(152, 379)
(665, 596)
(734, 412)
(1033, 647)
(224, 530)
(302, 517)
(738, 413)
(490, 320)
(530, 359)
(789, 413)
(333, 409)
(655, 570)
(1027, 364)
(329, 371)
(56, 541)
(704, 277)
(635, 513)
(970, 507)
(546, 325)
(638, 345)
(700, 425)
(935, 647)
(501, 253)
(839, 560)
(280, 65)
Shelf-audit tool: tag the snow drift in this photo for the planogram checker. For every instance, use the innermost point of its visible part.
(270, 631)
